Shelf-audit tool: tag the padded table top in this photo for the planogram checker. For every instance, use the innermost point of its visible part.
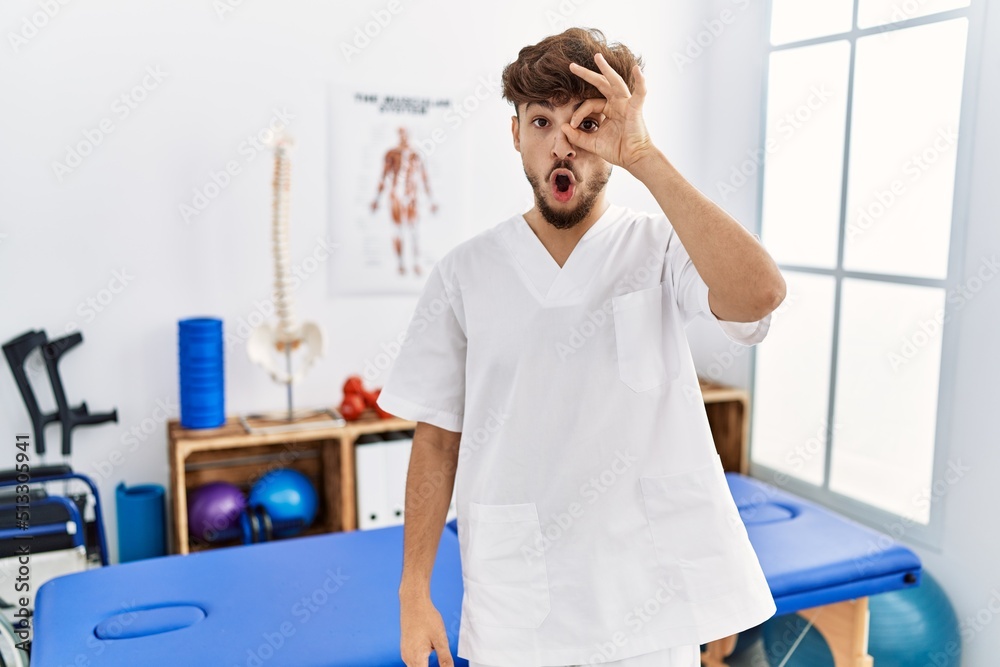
(325, 600)
(812, 556)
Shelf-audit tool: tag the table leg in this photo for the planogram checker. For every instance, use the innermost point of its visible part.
(716, 651)
(844, 625)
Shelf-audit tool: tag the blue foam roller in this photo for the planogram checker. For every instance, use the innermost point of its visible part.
(141, 522)
(201, 362)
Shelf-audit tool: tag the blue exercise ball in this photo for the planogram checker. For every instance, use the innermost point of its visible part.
(781, 636)
(914, 627)
(288, 496)
(745, 640)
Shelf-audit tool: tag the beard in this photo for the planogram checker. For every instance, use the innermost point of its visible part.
(586, 193)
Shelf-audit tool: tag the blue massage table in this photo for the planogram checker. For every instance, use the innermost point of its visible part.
(331, 600)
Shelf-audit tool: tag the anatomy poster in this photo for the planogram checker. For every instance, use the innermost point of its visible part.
(395, 185)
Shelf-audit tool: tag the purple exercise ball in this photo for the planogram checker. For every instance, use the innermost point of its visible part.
(214, 508)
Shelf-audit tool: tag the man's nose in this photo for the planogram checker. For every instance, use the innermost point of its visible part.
(561, 148)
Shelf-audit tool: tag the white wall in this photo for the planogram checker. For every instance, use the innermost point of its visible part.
(966, 565)
(62, 241)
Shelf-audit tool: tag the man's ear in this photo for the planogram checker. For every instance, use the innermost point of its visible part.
(515, 130)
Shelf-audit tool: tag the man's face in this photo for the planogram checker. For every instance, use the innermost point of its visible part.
(566, 180)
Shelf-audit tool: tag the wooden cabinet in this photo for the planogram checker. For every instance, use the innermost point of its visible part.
(728, 411)
(230, 454)
(326, 457)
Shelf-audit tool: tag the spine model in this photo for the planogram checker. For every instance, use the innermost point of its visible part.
(272, 347)
(288, 333)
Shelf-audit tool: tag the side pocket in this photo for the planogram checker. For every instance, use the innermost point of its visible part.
(697, 531)
(506, 579)
(647, 352)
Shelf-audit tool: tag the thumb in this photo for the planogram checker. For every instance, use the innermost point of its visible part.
(579, 138)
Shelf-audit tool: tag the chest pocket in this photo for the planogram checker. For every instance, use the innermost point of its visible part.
(506, 579)
(645, 340)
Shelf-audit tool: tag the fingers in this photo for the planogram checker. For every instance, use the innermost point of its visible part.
(640, 82)
(611, 82)
(615, 79)
(589, 106)
(412, 659)
(442, 648)
(592, 77)
(585, 140)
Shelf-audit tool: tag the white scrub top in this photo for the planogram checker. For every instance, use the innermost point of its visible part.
(595, 522)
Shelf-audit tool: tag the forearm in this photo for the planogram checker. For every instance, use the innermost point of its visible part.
(744, 282)
(430, 481)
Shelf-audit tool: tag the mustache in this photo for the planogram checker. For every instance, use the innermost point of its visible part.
(564, 164)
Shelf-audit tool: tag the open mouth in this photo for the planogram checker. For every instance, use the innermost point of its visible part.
(563, 185)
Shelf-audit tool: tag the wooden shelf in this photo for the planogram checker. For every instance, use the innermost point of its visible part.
(326, 456)
(728, 410)
(230, 454)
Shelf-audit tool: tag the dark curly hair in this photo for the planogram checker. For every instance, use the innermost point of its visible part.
(541, 72)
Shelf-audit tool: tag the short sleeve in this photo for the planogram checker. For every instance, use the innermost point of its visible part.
(427, 379)
(691, 293)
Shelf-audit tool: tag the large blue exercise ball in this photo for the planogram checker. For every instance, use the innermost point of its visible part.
(288, 496)
(781, 636)
(914, 627)
(745, 640)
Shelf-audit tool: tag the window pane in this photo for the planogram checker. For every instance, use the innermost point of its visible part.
(885, 408)
(792, 380)
(794, 20)
(882, 12)
(904, 132)
(806, 115)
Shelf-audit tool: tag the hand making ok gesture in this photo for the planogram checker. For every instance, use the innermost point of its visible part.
(621, 137)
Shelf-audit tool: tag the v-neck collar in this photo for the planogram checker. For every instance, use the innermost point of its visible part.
(550, 282)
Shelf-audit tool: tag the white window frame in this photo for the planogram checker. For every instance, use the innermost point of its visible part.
(931, 534)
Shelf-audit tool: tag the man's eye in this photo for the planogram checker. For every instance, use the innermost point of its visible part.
(539, 120)
(593, 125)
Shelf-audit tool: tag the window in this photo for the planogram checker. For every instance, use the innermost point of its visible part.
(865, 107)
